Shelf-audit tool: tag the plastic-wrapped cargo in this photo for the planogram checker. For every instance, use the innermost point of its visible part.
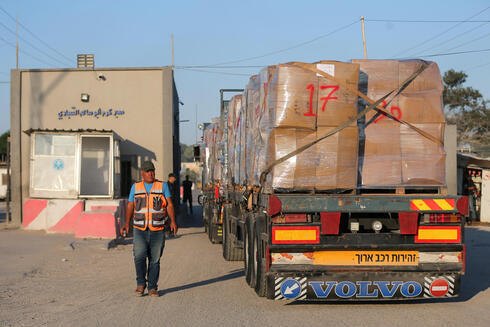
(234, 148)
(248, 171)
(392, 154)
(293, 101)
(210, 156)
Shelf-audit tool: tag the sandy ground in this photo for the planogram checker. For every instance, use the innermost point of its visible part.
(56, 280)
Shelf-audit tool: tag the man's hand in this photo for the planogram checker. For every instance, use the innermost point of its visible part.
(173, 227)
(124, 231)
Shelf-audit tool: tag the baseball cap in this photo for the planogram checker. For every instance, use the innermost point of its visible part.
(147, 166)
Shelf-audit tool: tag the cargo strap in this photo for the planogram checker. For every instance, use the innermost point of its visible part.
(380, 110)
(373, 105)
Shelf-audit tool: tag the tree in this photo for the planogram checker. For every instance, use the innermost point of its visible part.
(187, 153)
(3, 142)
(466, 107)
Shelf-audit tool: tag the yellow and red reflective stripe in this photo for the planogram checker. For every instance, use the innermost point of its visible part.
(433, 204)
(438, 234)
(296, 235)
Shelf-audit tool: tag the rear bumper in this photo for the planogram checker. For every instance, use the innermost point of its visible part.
(361, 286)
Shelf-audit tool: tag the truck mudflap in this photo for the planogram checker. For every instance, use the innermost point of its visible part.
(361, 286)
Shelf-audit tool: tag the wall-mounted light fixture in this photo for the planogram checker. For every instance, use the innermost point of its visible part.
(85, 97)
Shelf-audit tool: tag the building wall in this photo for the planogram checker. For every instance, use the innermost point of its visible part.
(40, 99)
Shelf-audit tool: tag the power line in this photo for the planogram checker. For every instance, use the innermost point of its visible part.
(219, 67)
(478, 66)
(464, 33)
(451, 53)
(425, 21)
(475, 39)
(213, 72)
(32, 45)
(26, 53)
(4, 82)
(441, 33)
(289, 48)
(35, 36)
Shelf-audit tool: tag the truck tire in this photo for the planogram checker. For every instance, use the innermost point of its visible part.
(230, 251)
(260, 264)
(247, 250)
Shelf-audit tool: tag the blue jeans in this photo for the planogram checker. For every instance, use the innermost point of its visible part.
(148, 244)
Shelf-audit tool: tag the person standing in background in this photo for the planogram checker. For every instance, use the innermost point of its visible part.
(187, 184)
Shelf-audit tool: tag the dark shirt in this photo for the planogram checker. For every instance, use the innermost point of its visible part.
(187, 189)
(173, 190)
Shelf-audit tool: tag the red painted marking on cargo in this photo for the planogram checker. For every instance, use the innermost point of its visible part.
(329, 96)
(311, 87)
(32, 209)
(439, 287)
(288, 256)
(392, 110)
(68, 224)
(309, 255)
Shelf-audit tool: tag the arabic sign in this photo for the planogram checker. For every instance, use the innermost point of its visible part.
(86, 113)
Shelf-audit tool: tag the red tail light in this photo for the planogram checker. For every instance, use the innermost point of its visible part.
(290, 218)
(463, 206)
(442, 218)
(275, 205)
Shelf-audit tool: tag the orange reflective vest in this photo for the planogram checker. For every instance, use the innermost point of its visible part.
(150, 210)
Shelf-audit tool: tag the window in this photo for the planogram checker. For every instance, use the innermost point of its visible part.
(54, 163)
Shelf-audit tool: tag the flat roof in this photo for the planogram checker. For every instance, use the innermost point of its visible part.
(82, 69)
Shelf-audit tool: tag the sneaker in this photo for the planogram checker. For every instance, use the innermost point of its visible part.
(140, 290)
(153, 293)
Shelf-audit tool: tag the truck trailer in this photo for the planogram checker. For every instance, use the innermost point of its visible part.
(327, 180)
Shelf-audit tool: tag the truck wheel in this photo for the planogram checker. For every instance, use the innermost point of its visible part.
(260, 260)
(230, 251)
(247, 251)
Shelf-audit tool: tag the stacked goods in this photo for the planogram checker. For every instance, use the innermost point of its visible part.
(210, 145)
(295, 107)
(288, 106)
(234, 146)
(394, 154)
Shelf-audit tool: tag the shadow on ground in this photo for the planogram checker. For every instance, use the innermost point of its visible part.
(231, 275)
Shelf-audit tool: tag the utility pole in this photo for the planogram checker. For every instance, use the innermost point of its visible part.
(363, 37)
(7, 198)
(196, 124)
(172, 40)
(17, 42)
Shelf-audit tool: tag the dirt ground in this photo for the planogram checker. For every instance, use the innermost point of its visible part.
(57, 280)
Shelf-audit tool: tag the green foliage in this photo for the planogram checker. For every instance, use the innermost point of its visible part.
(466, 107)
(3, 142)
(187, 153)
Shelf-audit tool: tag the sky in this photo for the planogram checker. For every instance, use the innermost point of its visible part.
(241, 34)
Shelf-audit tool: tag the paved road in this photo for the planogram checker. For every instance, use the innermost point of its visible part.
(55, 280)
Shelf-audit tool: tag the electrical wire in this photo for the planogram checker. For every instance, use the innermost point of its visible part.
(213, 72)
(424, 21)
(441, 33)
(451, 53)
(477, 66)
(35, 36)
(26, 53)
(471, 41)
(464, 33)
(32, 45)
(288, 48)
(204, 66)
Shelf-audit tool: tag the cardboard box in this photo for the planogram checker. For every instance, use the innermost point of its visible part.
(336, 159)
(336, 103)
(423, 160)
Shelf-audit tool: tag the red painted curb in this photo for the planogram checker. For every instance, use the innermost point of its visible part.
(68, 224)
(32, 209)
(97, 225)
